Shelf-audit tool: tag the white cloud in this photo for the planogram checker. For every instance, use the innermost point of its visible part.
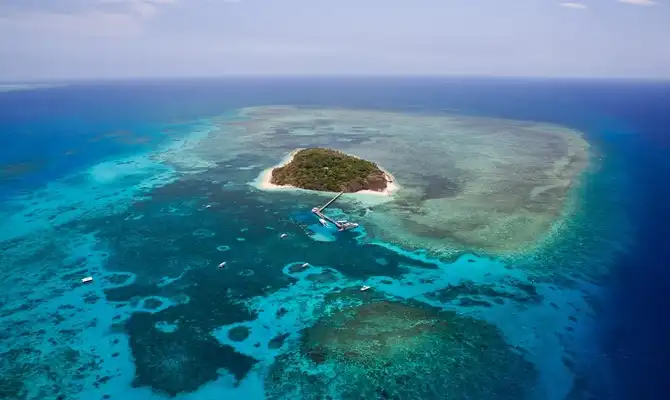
(571, 4)
(143, 8)
(138, 1)
(639, 2)
(99, 18)
(91, 23)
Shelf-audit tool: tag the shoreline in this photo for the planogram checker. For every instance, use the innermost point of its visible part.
(264, 180)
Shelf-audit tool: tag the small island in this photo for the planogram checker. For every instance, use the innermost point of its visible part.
(329, 170)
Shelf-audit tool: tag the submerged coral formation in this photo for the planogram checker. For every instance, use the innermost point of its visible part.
(469, 183)
(390, 350)
(161, 319)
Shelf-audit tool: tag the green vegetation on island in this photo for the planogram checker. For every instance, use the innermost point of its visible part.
(330, 170)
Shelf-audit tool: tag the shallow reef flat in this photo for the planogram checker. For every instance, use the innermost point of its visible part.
(380, 348)
(468, 183)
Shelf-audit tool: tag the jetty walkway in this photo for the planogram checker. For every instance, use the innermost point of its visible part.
(337, 196)
(341, 225)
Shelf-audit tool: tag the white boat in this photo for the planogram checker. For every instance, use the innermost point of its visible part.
(305, 265)
(323, 222)
(88, 279)
(283, 235)
(222, 265)
(364, 288)
(344, 225)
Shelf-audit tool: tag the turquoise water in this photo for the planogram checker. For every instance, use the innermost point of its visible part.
(150, 219)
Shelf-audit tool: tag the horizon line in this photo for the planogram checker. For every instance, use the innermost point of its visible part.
(75, 80)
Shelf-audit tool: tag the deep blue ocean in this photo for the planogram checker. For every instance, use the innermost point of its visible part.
(51, 135)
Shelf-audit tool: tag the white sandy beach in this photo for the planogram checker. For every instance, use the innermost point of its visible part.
(264, 180)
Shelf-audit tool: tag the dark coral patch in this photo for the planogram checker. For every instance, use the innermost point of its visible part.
(281, 312)
(393, 350)
(152, 303)
(238, 333)
(525, 293)
(277, 341)
(117, 279)
(179, 362)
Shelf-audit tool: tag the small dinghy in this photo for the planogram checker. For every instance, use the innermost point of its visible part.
(283, 235)
(323, 222)
(88, 279)
(222, 265)
(364, 288)
(305, 265)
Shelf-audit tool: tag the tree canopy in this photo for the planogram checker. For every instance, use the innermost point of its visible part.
(329, 170)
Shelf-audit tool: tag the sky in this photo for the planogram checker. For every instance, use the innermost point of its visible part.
(109, 39)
